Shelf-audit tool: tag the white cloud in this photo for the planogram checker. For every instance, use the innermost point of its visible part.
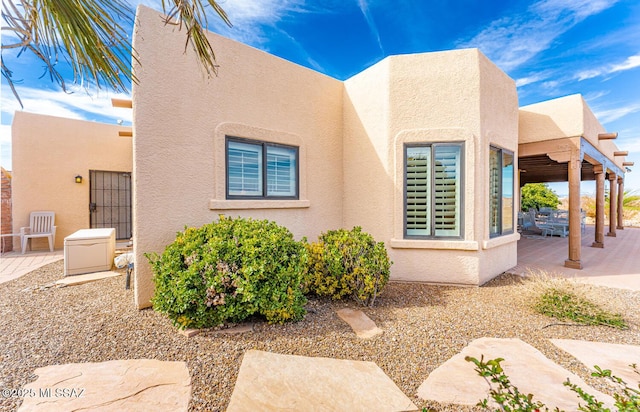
(632, 144)
(364, 8)
(523, 81)
(78, 105)
(631, 62)
(301, 50)
(535, 78)
(247, 16)
(512, 41)
(609, 115)
(595, 95)
(580, 8)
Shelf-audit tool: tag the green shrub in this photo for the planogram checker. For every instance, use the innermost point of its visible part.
(537, 195)
(229, 270)
(347, 263)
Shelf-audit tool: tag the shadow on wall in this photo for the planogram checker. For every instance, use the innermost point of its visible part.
(369, 183)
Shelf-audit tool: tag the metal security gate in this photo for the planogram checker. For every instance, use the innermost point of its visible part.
(110, 197)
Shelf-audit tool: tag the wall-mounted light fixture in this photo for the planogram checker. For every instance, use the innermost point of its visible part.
(78, 179)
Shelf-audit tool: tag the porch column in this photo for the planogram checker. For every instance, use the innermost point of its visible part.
(620, 203)
(575, 237)
(599, 240)
(613, 203)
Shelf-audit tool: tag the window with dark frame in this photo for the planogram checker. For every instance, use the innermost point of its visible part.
(261, 170)
(501, 180)
(433, 190)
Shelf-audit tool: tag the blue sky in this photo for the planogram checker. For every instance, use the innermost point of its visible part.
(551, 48)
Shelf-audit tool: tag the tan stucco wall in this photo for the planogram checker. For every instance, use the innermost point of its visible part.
(454, 96)
(47, 153)
(499, 125)
(181, 119)
(568, 116)
(551, 119)
(351, 136)
(592, 128)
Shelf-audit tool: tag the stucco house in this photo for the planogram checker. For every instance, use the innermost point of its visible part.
(80, 170)
(421, 150)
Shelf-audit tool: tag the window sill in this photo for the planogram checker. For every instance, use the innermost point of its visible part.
(500, 241)
(434, 244)
(257, 204)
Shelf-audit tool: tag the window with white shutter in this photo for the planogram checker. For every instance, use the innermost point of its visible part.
(418, 188)
(244, 169)
(446, 208)
(259, 170)
(281, 171)
(433, 190)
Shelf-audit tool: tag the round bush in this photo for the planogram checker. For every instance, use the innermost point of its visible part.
(347, 263)
(228, 270)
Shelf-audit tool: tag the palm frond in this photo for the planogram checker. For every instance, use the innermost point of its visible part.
(90, 36)
(192, 14)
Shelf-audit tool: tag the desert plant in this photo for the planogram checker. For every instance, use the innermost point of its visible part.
(565, 305)
(567, 300)
(228, 270)
(505, 394)
(627, 399)
(347, 263)
(508, 398)
(630, 204)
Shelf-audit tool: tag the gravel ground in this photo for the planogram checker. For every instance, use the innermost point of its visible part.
(423, 327)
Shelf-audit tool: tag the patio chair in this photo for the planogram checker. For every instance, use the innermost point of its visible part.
(529, 221)
(41, 224)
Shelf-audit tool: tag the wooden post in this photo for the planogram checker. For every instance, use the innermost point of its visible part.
(613, 203)
(575, 236)
(620, 203)
(599, 240)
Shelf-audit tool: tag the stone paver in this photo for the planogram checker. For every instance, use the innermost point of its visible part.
(88, 277)
(120, 385)
(361, 324)
(528, 369)
(274, 382)
(612, 356)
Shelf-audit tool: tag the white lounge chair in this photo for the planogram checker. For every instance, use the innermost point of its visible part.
(41, 224)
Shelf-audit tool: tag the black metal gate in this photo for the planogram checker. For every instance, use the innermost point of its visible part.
(110, 197)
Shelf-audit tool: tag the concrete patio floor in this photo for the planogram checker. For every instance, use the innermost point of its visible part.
(15, 264)
(615, 265)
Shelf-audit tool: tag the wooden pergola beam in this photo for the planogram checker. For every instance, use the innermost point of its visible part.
(124, 103)
(621, 153)
(125, 133)
(607, 136)
(627, 163)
